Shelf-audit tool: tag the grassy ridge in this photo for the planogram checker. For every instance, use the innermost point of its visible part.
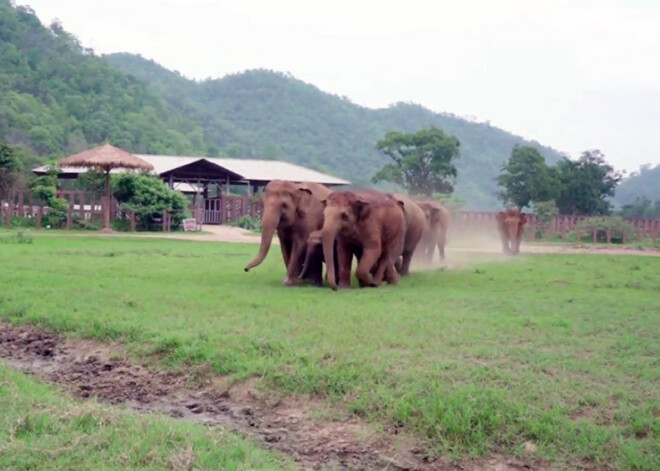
(557, 350)
(42, 430)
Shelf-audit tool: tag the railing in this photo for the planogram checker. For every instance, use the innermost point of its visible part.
(222, 209)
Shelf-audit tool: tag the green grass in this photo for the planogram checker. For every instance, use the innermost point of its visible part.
(558, 350)
(42, 430)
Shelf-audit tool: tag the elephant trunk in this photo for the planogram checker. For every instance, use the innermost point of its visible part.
(270, 219)
(311, 250)
(328, 240)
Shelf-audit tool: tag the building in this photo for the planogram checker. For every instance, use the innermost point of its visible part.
(207, 179)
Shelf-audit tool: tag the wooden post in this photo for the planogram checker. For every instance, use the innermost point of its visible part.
(131, 217)
(623, 237)
(608, 235)
(40, 213)
(69, 215)
(163, 224)
(595, 234)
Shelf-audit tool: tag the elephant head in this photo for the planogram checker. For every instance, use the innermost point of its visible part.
(343, 211)
(511, 225)
(281, 202)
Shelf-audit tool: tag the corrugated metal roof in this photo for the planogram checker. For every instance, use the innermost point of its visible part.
(248, 169)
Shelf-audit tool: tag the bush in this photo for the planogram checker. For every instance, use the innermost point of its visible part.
(19, 222)
(247, 222)
(58, 209)
(147, 196)
(602, 225)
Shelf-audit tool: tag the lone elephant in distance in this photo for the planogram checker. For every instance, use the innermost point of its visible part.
(511, 226)
(294, 210)
(369, 225)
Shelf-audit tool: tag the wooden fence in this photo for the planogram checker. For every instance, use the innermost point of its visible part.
(223, 209)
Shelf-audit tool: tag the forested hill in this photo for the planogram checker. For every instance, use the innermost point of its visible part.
(277, 116)
(57, 97)
(644, 183)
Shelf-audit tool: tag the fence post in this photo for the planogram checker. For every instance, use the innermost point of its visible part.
(131, 217)
(40, 213)
(164, 222)
(69, 216)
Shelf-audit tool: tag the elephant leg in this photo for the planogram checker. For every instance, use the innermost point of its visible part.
(405, 264)
(345, 260)
(369, 258)
(296, 258)
(315, 271)
(285, 246)
(391, 276)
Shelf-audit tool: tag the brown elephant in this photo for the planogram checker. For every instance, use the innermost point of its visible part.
(314, 258)
(438, 219)
(295, 210)
(511, 226)
(367, 224)
(416, 226)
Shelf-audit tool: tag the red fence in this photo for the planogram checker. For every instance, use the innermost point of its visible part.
(222, 209)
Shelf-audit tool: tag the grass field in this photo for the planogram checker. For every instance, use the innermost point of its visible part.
(558, 350)
(41, 430)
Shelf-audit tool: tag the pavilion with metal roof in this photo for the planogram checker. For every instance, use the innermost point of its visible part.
(197, 173)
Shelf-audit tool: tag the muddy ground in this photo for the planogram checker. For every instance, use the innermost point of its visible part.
(88, 369)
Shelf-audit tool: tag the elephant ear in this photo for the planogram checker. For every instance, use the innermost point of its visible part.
(360, 209)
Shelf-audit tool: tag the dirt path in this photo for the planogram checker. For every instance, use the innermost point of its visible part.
(90, 369)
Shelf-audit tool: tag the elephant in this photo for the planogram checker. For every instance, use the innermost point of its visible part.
(295, 210)
(438, 219)
(368, 224)
(416, 226)
(511, 225)
(314, 257)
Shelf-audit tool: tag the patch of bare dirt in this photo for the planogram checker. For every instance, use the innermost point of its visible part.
(89, 369)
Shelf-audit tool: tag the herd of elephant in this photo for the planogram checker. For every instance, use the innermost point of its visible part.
(318, 226)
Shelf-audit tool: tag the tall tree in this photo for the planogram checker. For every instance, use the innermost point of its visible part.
(10, 166)
(423, 161)
(526, 178)
(585, 184)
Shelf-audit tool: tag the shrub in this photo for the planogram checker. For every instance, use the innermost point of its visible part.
(247, 222)
(147, 196)
(601, 225)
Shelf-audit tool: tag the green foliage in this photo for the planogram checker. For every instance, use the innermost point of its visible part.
(9, 168)
(147, 196)
(586, 184)
(642, 184)
(545, 212)
(92, 181)
(642, 207)
(615, 225)
(57, 98)
(423, 161)
(526, 178)
(270, 114)
(44, 190)
(247, 222)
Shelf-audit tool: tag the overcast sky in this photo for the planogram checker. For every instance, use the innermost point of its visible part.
(571, 74)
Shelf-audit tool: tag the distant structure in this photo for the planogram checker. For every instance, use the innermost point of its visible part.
(197, 175)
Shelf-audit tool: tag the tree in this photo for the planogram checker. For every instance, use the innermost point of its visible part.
(545, 212)
(526, 178)
(423, 161)
(147, 196)
(9, 174)
(641, 208)
(585, 184)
